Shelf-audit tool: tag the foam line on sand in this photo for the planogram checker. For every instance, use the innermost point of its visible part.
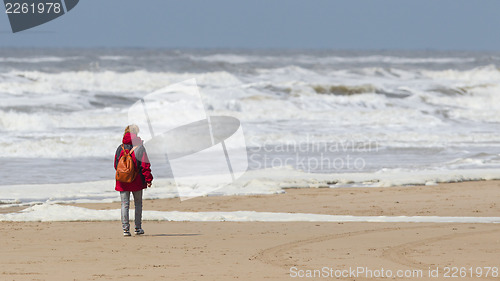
(55, 212)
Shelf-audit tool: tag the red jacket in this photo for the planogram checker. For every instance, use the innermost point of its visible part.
(140, 158)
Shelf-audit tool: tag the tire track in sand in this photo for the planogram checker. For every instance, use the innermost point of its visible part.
(276, 255)
(398, 254)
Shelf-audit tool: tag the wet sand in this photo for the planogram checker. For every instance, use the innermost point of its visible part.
(269, 251)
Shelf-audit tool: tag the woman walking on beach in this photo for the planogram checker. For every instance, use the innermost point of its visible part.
(133, 175)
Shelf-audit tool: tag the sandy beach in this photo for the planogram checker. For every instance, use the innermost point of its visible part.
(269, 251)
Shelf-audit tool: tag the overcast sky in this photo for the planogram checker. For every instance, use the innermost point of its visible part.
(349, 24)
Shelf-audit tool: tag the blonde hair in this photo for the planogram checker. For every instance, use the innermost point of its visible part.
(133, 129)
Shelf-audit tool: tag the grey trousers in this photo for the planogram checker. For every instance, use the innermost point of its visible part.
(125, 198)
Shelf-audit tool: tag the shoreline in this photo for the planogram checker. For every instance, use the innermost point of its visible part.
(471, 198)
(464, 199)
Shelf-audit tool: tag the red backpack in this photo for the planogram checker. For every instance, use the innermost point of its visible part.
(125, 169)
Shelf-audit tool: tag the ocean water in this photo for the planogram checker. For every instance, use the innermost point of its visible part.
(62, 111)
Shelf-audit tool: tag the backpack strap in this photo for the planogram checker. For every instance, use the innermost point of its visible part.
(130, 151)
